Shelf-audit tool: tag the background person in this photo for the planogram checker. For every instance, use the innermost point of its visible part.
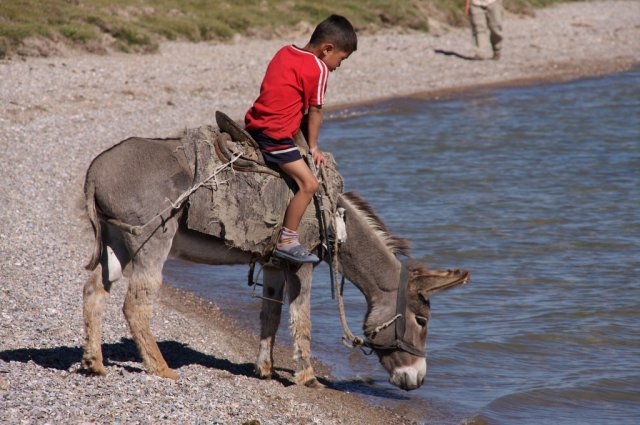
(486, 26)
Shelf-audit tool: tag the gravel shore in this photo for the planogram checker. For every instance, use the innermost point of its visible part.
(57, 113)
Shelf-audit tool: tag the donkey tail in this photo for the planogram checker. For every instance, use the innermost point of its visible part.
(90, 191)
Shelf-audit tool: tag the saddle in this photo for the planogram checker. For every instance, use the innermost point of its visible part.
(234, 140)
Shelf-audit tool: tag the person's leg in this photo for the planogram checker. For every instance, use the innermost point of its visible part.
(478, 16)
(494, 20)
(307, 186)
(288, 246)
(284, 153)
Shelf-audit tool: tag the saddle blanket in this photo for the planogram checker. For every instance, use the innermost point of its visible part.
(246, 208)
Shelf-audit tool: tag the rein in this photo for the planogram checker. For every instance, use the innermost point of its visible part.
(399, 342)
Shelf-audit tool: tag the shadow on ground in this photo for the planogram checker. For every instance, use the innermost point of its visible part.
(455, 54)
(364, 388)
(176, 354)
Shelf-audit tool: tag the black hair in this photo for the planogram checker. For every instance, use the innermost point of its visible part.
(338, 30)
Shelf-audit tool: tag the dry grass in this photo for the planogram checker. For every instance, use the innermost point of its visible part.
(139, 25)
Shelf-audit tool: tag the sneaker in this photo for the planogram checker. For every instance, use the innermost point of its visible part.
(297, 254)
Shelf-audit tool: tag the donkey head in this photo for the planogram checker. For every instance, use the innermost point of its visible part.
(401, 346)
(397, 293)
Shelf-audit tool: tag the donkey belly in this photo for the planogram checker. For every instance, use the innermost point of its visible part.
(200, 248)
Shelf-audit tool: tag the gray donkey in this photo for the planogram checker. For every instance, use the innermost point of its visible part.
(126, 189)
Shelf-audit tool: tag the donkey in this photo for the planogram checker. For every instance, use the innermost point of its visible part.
(125, 187)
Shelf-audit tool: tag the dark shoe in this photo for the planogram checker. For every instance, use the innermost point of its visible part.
(496, 56)
(297, 254)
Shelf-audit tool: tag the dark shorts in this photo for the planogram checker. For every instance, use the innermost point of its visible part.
(277, 151)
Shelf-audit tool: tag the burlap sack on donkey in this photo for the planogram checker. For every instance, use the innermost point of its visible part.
(246, 208)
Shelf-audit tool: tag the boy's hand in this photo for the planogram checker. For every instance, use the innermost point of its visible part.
(318, 158)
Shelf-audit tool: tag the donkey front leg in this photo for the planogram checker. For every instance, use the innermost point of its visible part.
(270, 314)
(299, 292)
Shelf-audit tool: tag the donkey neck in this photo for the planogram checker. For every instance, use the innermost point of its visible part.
(372, 267)
(367, 261)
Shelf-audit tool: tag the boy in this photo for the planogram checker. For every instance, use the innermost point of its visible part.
(293, 86)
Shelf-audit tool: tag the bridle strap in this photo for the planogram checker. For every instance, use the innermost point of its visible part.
(401, 305)
(401, 301)
(400, 326)
(399, 319)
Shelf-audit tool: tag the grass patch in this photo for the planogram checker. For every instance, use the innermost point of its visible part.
(139, 25)
(4, 47)
(78, 33)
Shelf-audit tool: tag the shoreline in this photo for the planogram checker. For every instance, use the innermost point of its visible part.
(462, 91)
(57, 113)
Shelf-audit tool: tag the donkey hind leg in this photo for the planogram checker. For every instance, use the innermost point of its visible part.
(299, 292)
(95, 296)
(273, 284)
(144, 282)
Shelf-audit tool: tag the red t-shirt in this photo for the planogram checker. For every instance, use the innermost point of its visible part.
(295, 79)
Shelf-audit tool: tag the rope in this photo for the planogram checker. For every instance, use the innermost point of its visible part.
(324, 190)
(355, 341)
(136, 230)
(333, 257)
(384, 325)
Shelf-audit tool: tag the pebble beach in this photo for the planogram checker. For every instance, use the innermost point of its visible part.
(59, 112)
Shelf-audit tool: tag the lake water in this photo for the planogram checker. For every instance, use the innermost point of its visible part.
(536, 191)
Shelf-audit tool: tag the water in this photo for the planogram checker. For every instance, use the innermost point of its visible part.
(536, 191)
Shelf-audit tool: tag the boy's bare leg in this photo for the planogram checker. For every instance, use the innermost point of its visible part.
(307, 186)
(288, 246)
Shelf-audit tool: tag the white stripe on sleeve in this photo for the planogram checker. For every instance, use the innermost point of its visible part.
(322, 80)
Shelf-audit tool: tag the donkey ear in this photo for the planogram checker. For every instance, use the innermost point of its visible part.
(430, 282)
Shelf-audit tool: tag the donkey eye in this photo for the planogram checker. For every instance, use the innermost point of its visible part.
(422, 321)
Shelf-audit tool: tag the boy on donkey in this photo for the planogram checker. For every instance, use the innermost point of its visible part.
(294, 86)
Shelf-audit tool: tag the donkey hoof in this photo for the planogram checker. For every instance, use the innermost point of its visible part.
(167, 373)
(95, 371)
(264, 374)
(264, 370)
(314, 383)
(92, 367)
(307, 378)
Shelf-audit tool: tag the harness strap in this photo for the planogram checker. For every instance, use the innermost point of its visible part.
(401, 301)
(324, 236)
(357, 341)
